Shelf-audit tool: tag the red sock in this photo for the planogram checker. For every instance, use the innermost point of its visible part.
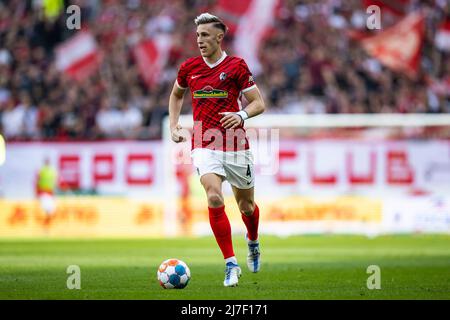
(221, 228)
(251, 222)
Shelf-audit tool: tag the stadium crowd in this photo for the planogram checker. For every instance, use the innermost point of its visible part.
(310, 65)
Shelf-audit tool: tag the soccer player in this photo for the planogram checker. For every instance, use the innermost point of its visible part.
(220, 148)
(45, 188)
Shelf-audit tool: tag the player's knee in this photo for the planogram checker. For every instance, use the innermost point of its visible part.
(247, 207)
(215, 199)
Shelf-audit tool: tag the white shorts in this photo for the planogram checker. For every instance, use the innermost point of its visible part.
(234, 166)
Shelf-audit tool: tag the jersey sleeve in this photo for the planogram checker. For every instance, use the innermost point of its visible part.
(245, 79)
(182, 76)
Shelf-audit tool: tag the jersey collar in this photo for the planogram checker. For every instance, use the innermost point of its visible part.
(212, 65)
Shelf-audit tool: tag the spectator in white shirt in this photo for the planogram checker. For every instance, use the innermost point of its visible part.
(30, 128)
(13, 120)
(108, 119)
(131, 120)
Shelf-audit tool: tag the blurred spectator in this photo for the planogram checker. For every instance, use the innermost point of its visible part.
(13, 120)
(108, 119)
(131, 120)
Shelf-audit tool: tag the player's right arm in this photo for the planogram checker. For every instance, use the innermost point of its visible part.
(175, 104)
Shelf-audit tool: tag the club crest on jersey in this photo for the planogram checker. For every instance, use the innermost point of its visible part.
(223, 76)
(210, 92)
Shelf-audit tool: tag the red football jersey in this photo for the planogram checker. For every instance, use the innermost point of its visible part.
(216, 88)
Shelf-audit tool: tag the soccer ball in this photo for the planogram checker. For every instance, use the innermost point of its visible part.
(173, 274)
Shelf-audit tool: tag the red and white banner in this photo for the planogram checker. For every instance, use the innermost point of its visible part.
(334, 185)
(151, 56)
(301, 167)
(399, 47)
(250, 22)
(375, 168)
(231, 12)
(131, 169)
(78, 56)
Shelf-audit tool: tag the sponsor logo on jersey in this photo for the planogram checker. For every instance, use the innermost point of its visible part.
(210, 92)
(223, 76)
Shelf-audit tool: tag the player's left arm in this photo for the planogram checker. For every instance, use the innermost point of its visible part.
(255, 107)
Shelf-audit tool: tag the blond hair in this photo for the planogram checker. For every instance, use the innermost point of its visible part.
(207, 17)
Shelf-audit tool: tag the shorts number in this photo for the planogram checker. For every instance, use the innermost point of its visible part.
(249, 172)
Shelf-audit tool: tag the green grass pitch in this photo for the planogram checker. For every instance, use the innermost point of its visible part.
(300, 267)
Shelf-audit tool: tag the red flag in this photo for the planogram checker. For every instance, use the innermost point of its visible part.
(231, 12)
(253, 26)
(399, 46)
(394, 7)
(78, 56)
(151, 56)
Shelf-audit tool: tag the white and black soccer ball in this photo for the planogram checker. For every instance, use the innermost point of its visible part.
(173, 274)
